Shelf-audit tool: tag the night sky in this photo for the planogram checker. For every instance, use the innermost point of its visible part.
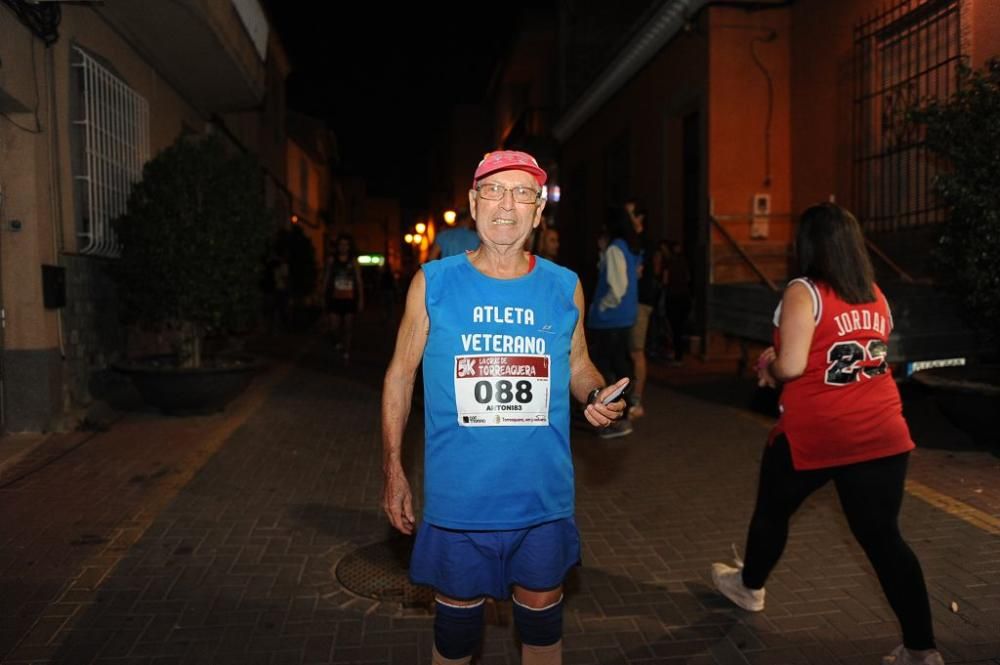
(381, 75)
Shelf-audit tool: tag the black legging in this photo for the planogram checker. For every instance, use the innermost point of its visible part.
(870, 494)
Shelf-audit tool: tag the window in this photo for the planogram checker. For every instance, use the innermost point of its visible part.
(112, 140)
(902, 55)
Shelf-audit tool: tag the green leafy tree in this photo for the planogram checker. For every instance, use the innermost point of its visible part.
(964, 129)
(192, 239)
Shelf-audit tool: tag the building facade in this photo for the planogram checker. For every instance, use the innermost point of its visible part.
(87, 95)
(729, 119)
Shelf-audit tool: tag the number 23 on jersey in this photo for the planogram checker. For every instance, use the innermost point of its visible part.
(851, 361)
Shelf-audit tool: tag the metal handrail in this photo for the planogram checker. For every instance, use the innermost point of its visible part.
(746, 257)
(905, 276)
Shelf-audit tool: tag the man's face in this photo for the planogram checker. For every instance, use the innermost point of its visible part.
(505, 222)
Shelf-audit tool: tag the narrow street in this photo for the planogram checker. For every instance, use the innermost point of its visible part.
(216, 539)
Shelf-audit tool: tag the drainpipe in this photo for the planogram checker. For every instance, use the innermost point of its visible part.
(662, 27)
(55, 182)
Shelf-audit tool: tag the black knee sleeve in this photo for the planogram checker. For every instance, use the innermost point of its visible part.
(539, 627)
(457, 629)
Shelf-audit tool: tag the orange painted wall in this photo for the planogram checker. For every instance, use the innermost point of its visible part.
(737, 120)
(821, 78)
(985, 22)
(711, 69)
(748, 152)
(821, 107)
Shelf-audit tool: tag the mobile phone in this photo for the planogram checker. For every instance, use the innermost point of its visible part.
(615, 395)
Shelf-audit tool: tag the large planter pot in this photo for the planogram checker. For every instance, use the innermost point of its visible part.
(969, 396)
(189, 391)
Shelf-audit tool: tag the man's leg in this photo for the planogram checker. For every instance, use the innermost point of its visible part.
(539, 621)
(458, 629)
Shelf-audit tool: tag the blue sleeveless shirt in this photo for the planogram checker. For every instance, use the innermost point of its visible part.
(496, 396)
(457, 241)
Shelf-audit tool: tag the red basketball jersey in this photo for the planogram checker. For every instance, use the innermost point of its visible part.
(845, 408)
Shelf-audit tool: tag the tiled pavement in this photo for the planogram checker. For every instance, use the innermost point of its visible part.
(214, 540)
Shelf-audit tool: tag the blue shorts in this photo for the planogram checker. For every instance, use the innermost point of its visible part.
(471, 564)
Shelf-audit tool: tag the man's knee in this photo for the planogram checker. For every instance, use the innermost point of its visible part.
(539, 626)
(458, 627)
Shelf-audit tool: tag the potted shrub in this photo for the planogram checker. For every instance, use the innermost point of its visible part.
(192, 240)
(964, 130)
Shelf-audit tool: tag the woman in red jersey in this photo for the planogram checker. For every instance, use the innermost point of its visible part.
(841, 420)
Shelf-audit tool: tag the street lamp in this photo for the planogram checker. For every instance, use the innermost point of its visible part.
(420, 227)
(449, 217)
(408, 238)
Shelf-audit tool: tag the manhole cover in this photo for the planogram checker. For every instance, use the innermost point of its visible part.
(379, 571)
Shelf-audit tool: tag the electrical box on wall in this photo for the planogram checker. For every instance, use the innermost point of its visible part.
(760, 216)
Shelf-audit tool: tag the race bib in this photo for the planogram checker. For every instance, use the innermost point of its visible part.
(343, 286)
(502, 390)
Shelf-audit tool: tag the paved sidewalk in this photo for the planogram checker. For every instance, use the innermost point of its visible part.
(214, 540)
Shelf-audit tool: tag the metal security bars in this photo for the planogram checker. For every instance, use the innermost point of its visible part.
(114, 132)
(904, 54)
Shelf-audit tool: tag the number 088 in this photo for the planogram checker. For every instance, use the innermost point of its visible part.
(504, 391)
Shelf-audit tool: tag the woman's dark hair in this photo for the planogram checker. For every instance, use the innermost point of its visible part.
(620, 226)
(830, 247)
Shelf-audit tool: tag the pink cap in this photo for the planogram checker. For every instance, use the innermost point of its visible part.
(507, 160)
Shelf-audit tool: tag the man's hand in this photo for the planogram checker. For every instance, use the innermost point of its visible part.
(600, 414)
(397, 500)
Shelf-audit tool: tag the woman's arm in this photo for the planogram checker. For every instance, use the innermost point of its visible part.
(617, 276)
(796, 332)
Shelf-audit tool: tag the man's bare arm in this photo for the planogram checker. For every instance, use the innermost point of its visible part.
(397, 395)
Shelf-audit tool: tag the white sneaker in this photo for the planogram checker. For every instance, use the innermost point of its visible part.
(729, 581)
(903, 656)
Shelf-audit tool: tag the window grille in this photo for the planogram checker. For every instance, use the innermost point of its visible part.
(114, 134)
(903, 55)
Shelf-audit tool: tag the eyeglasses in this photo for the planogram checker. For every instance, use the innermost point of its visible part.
(491, 191)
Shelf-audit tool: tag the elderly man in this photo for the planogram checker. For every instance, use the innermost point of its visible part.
(501, 339)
